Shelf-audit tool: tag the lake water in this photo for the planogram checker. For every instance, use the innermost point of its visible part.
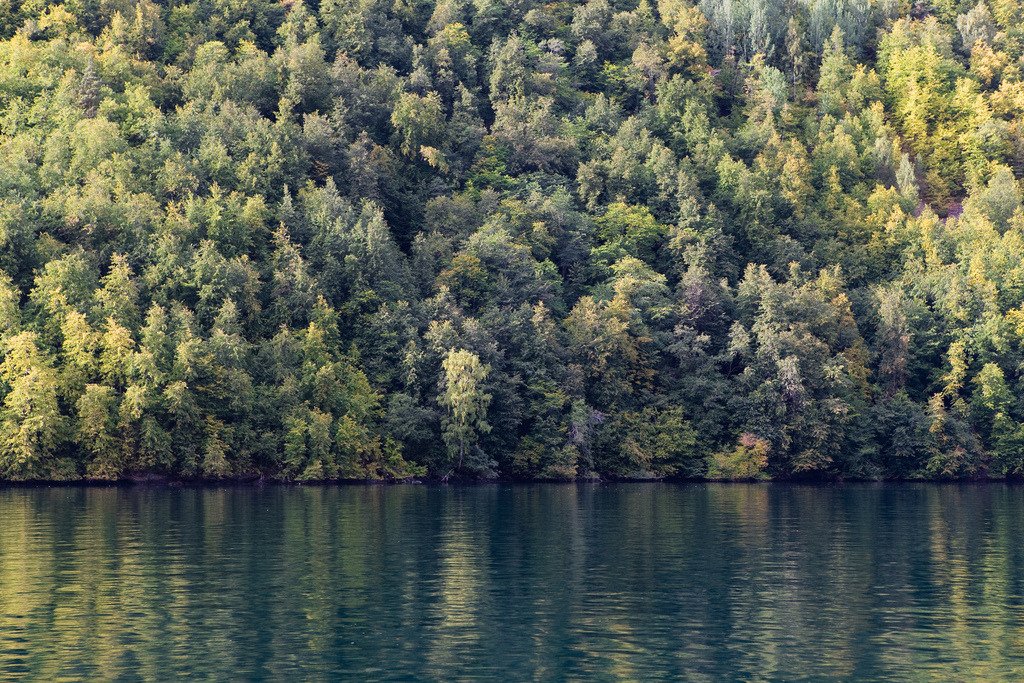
(603, 582)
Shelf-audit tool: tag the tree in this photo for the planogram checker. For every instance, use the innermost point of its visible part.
(993, 399)
(118, 294)
(89, 90)
(466, 403)
(748, 461)
(893, 340)
(215, 450)
(1000, 198)
(418, 123)
(97, 431)
(651, 443)
(31, 425)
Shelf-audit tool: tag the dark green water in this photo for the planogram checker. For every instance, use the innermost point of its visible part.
(703, 582)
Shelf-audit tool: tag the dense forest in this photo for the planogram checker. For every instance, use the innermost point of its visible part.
(386, 239)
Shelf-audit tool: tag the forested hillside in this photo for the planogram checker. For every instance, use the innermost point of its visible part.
(476, 238)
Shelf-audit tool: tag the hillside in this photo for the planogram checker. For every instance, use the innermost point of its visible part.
(355, 239)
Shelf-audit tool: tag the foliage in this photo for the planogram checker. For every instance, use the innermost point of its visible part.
(748, 461)
(361, 240)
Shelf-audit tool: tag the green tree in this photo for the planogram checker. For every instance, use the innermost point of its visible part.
(31, 424)
(97, 431)
(466, 402)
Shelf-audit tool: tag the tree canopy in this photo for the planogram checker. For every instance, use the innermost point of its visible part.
(327, 239)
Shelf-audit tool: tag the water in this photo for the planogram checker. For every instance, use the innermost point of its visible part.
(703, 582)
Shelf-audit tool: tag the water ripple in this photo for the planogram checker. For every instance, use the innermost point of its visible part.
(637, 582)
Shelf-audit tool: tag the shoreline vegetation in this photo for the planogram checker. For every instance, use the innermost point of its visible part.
(456, 240)
(147, 480)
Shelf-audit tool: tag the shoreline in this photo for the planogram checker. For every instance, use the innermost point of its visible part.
(160, 482)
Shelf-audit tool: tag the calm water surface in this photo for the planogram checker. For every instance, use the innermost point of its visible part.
(627, 582)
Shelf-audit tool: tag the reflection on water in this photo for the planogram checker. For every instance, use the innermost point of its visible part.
(706, 582)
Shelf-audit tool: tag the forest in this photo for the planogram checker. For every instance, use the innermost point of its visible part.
(466, 239)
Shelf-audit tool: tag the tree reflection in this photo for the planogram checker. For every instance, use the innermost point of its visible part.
(706, 582)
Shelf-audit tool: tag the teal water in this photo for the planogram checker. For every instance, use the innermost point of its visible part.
(538, 582)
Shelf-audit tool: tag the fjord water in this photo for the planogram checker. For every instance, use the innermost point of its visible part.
(637, 581)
